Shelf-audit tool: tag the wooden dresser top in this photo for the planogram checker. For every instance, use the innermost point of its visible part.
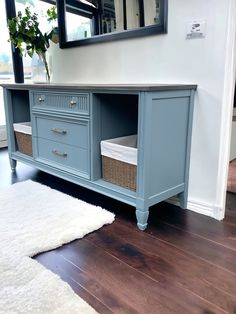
(112, 87)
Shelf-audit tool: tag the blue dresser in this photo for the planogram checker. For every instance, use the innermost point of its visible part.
(70, 121)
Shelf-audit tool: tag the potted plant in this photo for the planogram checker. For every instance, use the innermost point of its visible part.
(26, 35)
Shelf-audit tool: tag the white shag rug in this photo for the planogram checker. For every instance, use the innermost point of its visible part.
(35, 218)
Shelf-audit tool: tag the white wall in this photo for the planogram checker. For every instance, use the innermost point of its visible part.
(169, 59)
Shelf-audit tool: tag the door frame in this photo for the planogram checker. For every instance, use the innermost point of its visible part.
(227, 112)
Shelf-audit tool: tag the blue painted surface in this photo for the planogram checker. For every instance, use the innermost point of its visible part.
(63, 156)
(168, 135)
(67, 128)
(77, 103)
(72, 133)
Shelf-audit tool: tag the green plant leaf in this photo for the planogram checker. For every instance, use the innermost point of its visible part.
(24, 29)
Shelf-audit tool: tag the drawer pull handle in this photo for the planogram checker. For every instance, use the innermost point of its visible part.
(59, 131)
(41, 99)
(58, 153)
(72, 103)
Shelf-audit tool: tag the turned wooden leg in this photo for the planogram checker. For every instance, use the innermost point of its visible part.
(13, 164)
(183, 199)
(142, 217)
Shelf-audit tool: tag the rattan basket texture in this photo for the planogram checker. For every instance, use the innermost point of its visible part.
(119, 161)
(119, 172)
(24, 143)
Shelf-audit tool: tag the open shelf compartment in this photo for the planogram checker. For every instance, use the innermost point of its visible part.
(118, 118)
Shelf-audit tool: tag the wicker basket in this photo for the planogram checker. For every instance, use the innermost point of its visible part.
(119, 161)
(119, 172)
(23, 138)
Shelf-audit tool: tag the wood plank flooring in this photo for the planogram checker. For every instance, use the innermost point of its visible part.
(182, 263)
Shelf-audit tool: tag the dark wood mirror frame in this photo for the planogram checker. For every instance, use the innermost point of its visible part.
(160, 28)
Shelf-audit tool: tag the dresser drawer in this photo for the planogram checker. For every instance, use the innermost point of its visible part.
(77, 103)
(64, 157)
(71, 133)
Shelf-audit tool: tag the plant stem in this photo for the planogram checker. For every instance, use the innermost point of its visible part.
(43, 55)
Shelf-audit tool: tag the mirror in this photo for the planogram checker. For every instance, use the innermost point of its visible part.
(83, 22)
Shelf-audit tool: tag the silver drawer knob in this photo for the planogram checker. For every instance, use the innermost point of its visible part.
(72, 103)
(41, 99)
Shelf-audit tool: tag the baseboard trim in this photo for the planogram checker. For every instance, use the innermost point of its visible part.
(3, 133)
(3, 144)
(3, 136)
(201, 208)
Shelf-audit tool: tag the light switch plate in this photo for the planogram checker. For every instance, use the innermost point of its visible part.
(196, 29)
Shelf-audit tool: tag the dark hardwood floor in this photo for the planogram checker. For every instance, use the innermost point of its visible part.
(182, 263)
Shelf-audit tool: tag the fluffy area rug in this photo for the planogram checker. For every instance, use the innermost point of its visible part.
(35, 218)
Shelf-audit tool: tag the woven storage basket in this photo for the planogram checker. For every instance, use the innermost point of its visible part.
(119, 161)
(23, 138)
(119, 172)
(231, 184)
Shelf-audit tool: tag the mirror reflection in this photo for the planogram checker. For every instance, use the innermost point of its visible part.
(88, 18)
